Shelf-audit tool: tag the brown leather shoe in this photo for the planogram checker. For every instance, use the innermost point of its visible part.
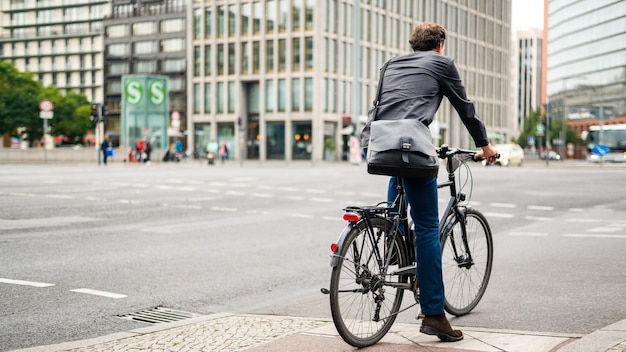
(440, 326)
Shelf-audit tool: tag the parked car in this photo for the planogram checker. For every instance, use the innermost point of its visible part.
(509, 154)
(552, 155)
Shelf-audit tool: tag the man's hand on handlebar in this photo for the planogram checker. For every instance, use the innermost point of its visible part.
(488, 152)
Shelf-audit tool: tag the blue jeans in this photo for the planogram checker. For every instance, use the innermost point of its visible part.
(422, 195)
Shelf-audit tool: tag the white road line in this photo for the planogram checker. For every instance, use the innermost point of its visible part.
(59, 196)
(539, 207)
(345, 193)
(183, 206)
(25, 283)
(315, 191)
(99, 293)
(97, 199)
(583, 220)
(236, 193)
(224, 209)
(163, 187)
(262, 195)
(23, 194)
(502, 205)
(333, 218)
(288, 189)
(528, 234)
(375, 195)
(323, 200)
(306, 216)
(593, 236)
(605, 229)
(499, 215)
(576, 210)
(295, 197)
(186, 189)
(538, 218)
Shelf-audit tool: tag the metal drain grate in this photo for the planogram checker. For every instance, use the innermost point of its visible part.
(158, 315)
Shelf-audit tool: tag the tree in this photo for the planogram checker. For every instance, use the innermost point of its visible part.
(19, 102)
(20, 95)
(530, 128)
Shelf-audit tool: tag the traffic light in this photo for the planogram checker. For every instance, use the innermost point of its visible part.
(94, 113)
(105, 111)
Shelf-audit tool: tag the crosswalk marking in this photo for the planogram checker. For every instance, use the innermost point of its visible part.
(99, 293)
(25, 283)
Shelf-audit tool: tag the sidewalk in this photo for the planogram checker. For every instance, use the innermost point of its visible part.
(266, 333)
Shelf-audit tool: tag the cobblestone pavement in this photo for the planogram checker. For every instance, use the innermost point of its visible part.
(266, 333)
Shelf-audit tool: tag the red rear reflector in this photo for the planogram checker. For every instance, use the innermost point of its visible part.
(334, 247)
(351, 217)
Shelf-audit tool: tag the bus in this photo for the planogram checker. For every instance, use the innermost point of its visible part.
(613, 137)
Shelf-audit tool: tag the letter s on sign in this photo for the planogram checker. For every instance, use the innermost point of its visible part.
(134, 92)
(157, 92)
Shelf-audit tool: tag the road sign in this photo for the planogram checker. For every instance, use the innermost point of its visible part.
(600, 150)
(46, 105)
(46, 114)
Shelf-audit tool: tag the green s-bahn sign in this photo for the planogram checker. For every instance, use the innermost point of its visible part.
(145, 109)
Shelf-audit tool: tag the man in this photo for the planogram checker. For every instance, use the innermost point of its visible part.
(413, 87)
(104, 148)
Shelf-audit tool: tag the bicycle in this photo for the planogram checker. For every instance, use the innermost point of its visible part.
(373, 262)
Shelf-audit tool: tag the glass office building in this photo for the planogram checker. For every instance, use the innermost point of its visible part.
(587, 60)
(293, 79)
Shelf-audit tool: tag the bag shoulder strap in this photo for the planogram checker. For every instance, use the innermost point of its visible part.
(380, 84)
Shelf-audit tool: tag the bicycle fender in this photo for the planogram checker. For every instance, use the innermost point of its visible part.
(334, 257)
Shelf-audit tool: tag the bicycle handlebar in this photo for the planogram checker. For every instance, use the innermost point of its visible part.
(444, 152)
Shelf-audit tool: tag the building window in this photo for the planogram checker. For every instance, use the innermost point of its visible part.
(207, 60)
(220, 97)
(196, 61)
(275, 141)
(196, 98)
(269, 58)
(256, 57)
(245, 18)
(172, 45)
(144, 28)
(309, 53)
(221, 21)
(270, 94)
(309, 14)
(282, 95)
(220, 59)
(232, 97)
(245, 57)
(296, 57)
(296, 10)
(232, 16)
(282, 55)
(145, 66)
(174, 25)
(270, 16)
(207, 98)
(295, 94)
(147, 47)
(283, 8)
(197, 24)
(208, 23)
(174, 65)
(118, 49)
(308, 94)
(231, 59)
(257, 16)
(302, 147)
(118, 31)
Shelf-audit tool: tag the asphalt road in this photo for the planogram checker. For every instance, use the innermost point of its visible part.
(81, 244)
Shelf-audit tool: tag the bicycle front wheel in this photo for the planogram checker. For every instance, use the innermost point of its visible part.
(364, 297)
(467, 258)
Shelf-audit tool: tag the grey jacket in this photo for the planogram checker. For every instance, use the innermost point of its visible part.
(413, 87)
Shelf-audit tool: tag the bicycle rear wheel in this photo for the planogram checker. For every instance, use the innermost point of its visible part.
(363, 298)
(467, 258)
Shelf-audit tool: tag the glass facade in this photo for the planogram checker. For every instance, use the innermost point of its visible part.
(587, 59)
(289, 66)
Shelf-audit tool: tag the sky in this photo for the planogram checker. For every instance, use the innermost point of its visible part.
(527, 14)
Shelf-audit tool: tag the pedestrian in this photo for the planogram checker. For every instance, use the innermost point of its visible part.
(140, 149)
(104, 147)
(223, 151)
(148, 150)
(413, 87)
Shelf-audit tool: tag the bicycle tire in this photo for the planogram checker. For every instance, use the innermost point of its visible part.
(465, 282)
(357, 295)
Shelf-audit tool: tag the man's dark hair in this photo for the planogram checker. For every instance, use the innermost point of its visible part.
(427, 36)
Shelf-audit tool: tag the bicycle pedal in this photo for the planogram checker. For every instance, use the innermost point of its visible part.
(420, 316)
